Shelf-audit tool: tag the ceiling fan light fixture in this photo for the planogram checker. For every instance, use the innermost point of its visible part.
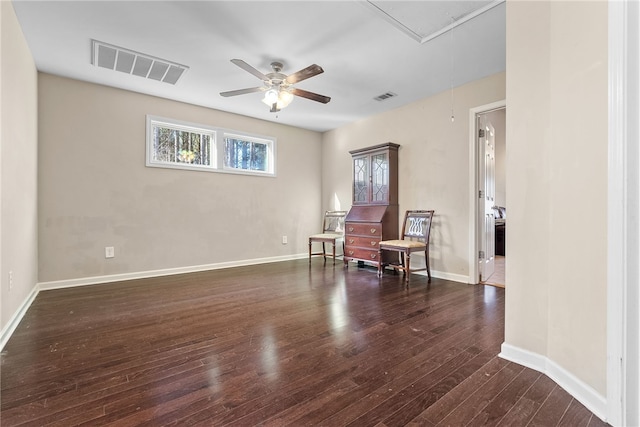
(280, 97)
(278, 88)
(270, 97)
(284, 98)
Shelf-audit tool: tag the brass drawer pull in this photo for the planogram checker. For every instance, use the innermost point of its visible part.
(373, 230)
(373, 256)
(350, 252)
(374, 243)
(350, 228)
(351, 241)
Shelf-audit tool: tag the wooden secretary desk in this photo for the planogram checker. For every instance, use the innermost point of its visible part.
(374, 212)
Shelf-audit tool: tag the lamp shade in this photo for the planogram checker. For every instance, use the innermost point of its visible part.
(270, 97)
(284, 98)
(281, 97)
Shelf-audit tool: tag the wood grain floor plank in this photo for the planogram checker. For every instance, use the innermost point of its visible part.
(552, 409)
(526, 407)
(501, 404)
(576, 415)
(450, 401)
(288, 343)
(480, 398)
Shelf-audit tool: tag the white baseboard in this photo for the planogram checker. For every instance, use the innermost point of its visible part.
(582, 392)
(15, 320)
(95, 280)
(446, 276)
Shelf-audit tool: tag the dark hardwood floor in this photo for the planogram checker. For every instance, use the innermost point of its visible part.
(274, 344)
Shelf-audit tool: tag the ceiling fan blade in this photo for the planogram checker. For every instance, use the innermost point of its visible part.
(310, 71)
(242, 91)
(240, 63)
(310, 95)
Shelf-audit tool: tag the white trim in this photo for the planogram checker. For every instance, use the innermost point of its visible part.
(582, 392)
(446, 276)
(623, 330)
(474, 274)
(15, 320)
(615, 218)
(96, 280)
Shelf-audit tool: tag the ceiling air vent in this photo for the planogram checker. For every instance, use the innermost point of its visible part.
(138, 64)
(385, 96)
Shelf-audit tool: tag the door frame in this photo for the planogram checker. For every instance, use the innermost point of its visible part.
(474, 187)
(623, 208)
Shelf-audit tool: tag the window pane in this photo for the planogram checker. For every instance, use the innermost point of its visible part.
(246, 155)
(163, 147)
(180, 146)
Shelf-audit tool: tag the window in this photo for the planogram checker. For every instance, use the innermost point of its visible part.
(181, 145)
(242, 153)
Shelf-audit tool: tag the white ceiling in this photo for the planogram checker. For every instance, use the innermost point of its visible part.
(365, 48)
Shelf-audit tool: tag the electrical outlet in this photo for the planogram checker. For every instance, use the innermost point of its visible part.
(10, 280)
(109, 252)
(284, 240)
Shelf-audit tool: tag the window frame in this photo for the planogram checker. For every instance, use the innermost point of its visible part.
(217, 137)
(270, 143)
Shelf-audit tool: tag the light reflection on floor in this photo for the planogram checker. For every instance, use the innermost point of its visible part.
(490, 295)
(339, 313)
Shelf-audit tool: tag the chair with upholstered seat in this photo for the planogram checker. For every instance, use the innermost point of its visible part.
(332, 231)
(415, 238)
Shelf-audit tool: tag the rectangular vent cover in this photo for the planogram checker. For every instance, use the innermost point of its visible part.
(385, 96)
(138, 64)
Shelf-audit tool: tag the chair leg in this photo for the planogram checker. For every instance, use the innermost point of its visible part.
(324, 254)
(379, 262)
(333, 246)
(407, 268)
(309, 251)
(426, 257)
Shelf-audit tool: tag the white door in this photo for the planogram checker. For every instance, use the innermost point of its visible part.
(486, 197)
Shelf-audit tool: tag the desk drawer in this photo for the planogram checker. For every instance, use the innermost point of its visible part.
(362, 242)
(362, 254)
(364, 229)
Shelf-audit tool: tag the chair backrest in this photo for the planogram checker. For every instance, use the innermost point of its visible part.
(417, 225)
(334, 222)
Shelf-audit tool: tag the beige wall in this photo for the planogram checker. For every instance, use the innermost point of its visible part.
(18, 157)
(557, 176)
(433, 163)
(95, 190)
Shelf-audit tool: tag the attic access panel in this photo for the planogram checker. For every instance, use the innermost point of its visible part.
(426, 20)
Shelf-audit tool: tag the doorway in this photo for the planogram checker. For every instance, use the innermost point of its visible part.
(494, 180)
(487, 195)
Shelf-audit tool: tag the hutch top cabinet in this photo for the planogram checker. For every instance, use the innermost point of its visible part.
(374, 214)
(375, 175)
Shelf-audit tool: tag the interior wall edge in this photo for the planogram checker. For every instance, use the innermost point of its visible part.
(15, 320)
(577, 388)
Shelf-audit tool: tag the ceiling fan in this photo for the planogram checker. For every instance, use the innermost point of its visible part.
(278, 87)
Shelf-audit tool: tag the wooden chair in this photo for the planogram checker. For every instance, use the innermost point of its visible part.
(332, 231)
(415, 238)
